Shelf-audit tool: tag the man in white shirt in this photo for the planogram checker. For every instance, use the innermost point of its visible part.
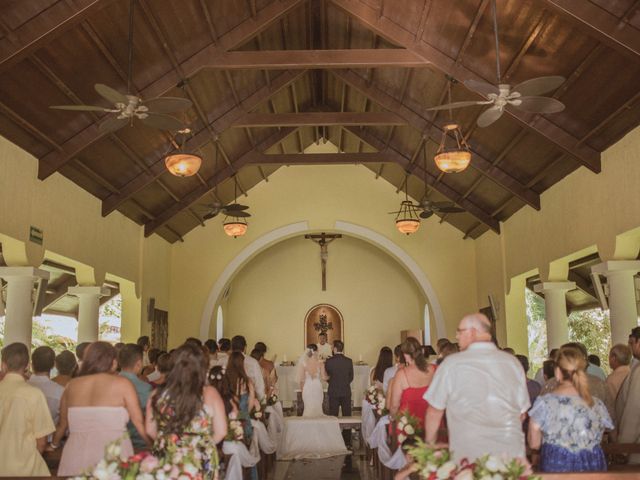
(390, 372)
(42, 360)
(324, 349)
(628, 401)
(484, 393)
(251, 365)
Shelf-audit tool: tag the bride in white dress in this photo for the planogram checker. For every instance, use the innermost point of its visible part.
(314, 435)
(310, 373)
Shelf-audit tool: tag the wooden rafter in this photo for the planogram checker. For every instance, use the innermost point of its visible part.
(322, 159)
(432, 130)
(248, 29)
(310, 119)
(46, 26)
(217, 178)
(600, 24)
(419, 171)
(226, 116)
(586, 155)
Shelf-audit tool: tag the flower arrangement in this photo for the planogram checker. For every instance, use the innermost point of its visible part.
(178, 462)
(435, 463)
(272, 400)
(235, 429)
(377, 400)
(258, 413)
(407, 426)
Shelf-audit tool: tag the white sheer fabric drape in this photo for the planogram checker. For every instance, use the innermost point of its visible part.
(241, 456)
(264, 440)
(368, 421)
(378, 440)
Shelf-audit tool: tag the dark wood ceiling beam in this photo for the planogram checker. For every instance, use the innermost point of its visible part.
(59, 291)
(424, 17)
(322, 159)
(222, 120)
(217, 178)
(311, 119)
(419, 172)
(426, 127)
(318, 59)
(586, 155)
(582, 283)
(242, 33)
(46, 26)
(600, 24)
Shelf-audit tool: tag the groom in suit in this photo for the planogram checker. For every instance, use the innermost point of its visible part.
(339, 370)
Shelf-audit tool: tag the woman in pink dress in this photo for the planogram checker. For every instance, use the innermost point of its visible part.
(410, 383)
(95, 408)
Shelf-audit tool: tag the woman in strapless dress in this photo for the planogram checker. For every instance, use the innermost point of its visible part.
(95, 407)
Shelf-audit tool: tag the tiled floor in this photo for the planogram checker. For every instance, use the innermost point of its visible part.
(349, 467)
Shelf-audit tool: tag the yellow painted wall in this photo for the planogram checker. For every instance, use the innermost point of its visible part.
(76, 233)
(270, 296)
(320, 196)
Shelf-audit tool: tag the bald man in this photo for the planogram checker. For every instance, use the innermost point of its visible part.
(484, 393)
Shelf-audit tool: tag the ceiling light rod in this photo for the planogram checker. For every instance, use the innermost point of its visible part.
(495, 35)
(132, 5)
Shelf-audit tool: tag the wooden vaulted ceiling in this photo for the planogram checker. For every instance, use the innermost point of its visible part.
(267, 78)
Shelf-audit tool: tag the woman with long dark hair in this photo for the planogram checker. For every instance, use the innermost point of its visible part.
(242, 387)
(385, 360)
(95, 407)
(185, 407)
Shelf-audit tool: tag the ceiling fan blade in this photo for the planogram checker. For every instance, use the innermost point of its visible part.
(393, 213)
(540, 105)
(112, 124)
(489, 116)
(80, 108)
(538, 86)
(162, 121)
(450, 210)
(439, 205)
(236, 214)
(235, 206)
(459, 105)
(110, 94)
(426, 214)
(210, 215)
(481, 87)
(168, 104)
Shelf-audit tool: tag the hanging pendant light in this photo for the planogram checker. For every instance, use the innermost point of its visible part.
(456, 157)
(407, 219)
(180, 162)
(235, 227)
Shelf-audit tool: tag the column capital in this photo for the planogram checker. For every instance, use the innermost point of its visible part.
(613, 267)
(96, 291)
(545, 287)
(23, 272)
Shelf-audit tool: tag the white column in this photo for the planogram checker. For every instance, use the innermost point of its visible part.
(19, 304)
(623, 310)
(88, 311)
(555, 304)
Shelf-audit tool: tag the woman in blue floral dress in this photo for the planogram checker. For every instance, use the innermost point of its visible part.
(185, 415)
(569, 422)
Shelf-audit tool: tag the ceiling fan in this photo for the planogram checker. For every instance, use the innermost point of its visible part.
(429, 208)
(525, 96)
(127, 107)
(232, 210)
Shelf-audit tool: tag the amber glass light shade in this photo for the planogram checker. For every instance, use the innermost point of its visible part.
(456, 157)
(183, 164)
(235, 228)
(408, 225)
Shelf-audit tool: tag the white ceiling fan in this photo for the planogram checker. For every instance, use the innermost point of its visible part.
(525, 96)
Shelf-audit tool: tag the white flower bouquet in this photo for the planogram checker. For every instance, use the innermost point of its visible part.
(235, 429)
(377, 400)
(407, 427)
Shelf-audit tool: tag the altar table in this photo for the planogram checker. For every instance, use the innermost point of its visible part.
(288, 384)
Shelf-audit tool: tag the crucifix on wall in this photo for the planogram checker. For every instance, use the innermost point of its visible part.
(323, 240)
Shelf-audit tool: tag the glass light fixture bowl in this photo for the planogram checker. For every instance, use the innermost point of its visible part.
(183, 164)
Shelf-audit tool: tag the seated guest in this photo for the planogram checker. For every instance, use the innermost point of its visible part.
(42, 360)
(66, 366)
(628, 401)
(385, 360)
(25, 420)
(619, 360)
(593, 367)
(533, 387)
(391, 371)
(130, 361)
(80, 349)
(411, 383)
(251, 365)
(145, 344)
(484, 393)
(539, 376)
(185, 412)
(569, 422)
(150, 370)
(242, 387)
(268, 369)
(95, 408)
(224, 350)
(164, 366)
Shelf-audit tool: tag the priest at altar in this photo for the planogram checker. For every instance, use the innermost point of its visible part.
(324, 349)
